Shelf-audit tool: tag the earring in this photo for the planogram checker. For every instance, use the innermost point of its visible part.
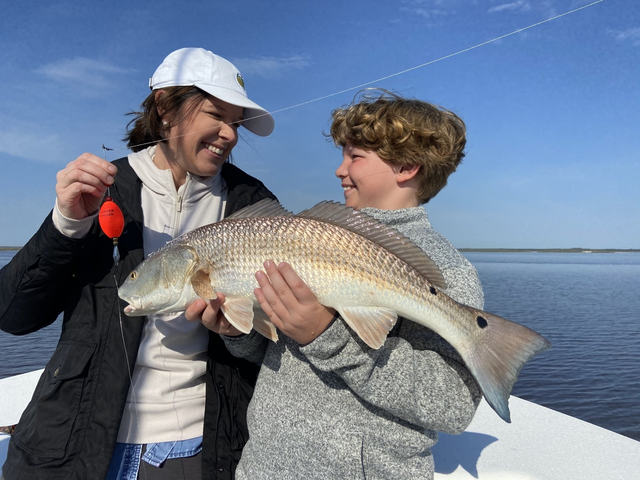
(165, 124)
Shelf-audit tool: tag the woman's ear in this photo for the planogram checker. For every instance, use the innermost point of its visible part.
(407, 172)
(158, 95)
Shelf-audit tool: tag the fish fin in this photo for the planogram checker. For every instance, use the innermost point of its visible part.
(267, 207)
(239, 312)
(201, 284)
(372, 324)
(388, 237)
(263, 325)
(500, 350)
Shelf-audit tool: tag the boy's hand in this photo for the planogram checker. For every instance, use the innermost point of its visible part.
(209, 314)
(290, 303)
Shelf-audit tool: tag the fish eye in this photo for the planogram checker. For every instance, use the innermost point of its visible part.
(133, 275)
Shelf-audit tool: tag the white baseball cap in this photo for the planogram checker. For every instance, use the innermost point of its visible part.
(215, 76)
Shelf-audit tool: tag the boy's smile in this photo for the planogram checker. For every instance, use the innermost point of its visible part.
(367, 179)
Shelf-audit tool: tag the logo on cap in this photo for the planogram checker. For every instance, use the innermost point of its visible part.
(240, 80)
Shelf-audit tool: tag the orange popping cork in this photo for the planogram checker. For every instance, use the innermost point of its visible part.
(111, 219)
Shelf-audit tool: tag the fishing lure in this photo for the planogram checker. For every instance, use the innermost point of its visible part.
(111, 221)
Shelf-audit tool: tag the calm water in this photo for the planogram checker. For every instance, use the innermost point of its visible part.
(586, 305)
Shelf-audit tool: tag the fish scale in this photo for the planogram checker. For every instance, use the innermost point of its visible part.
(367, 271)
(245, 245)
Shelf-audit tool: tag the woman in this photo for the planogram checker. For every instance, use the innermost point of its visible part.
(159, 394)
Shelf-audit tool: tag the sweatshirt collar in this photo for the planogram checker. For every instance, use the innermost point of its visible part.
(161, 182)
(394, 218)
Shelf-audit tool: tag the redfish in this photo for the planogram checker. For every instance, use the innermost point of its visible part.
(370, 273)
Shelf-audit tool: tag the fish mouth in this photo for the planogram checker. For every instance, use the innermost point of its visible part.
(140, 305)
(134, 307)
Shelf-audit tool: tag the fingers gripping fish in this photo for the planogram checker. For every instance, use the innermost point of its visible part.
(370, 273)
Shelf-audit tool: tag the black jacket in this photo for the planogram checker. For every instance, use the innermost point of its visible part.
(69, 428)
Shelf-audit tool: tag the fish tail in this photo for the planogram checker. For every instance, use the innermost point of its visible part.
(495, 360)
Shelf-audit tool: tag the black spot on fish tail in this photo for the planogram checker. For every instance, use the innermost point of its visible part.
(433, 290)
(482, 323)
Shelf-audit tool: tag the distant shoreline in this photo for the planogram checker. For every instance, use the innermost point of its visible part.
(505, 250)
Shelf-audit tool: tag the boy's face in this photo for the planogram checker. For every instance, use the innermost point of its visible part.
(367, 180)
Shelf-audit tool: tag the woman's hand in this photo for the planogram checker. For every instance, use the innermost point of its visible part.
(210, 315)
(82, 184)
(290, 303)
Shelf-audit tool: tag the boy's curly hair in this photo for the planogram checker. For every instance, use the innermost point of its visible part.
(404, 131)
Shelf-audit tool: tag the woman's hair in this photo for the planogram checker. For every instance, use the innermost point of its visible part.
(404, 131)
(176, 103)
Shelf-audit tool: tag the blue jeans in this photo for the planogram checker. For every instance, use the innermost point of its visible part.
(125, 462)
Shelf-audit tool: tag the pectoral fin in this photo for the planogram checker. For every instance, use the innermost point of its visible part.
(201, 284)
(263, 325)
(239, 312)
(372, 324)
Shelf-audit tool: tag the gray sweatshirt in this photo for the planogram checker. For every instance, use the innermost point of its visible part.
(337, 409)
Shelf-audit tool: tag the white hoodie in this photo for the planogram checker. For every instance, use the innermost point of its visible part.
(167, 398)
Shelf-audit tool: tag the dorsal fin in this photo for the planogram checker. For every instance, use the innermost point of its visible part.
(267, 207)
(385, 236)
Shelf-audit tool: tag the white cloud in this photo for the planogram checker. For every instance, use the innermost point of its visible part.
(429, 2)
(426, 8)
(631, 34)
(420, 12)
(520, 5)
(271, 67)
(31, 145)
(84, 74)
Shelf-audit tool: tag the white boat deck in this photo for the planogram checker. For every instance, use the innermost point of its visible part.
(539, 444)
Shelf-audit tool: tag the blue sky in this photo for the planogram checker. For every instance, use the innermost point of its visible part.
(553, 113)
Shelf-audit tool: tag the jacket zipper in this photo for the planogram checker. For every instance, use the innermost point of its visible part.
(178, 209)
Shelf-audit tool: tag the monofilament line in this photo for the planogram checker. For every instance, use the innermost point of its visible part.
(431, 62)
(126, 356)
(434, 61)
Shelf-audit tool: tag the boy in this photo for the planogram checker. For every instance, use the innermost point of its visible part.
(325, 404)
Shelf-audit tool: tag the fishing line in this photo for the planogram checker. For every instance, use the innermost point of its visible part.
(432, 61)
(111, 222)
(124, 344)
(129, 365)
(422, 65)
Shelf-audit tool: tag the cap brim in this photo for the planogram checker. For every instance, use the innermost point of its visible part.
(256, 119)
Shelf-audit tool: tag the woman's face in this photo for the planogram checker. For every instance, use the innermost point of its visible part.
(202, 142)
